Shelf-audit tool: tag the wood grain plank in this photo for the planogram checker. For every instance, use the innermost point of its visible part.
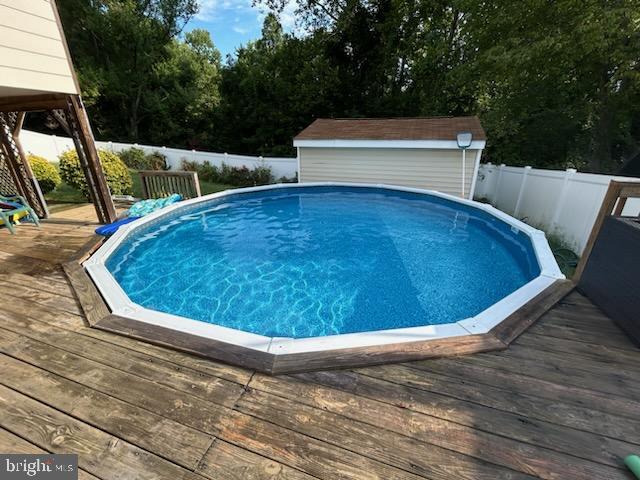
(521, 384)
(76, 324)
(93, 306)
(567, 373)
(304, 453)
(544, 434)
(623, 374)
(61, 288)
(182, 445)
(513, 326)
(590, 351)
(10, 443)
(379, 354)
(486, 446)
(167, 402)
(98, 453)
(180, 378)
(87, 249)
(225, 461)
(13, 263)
(429, 376)
(426, 460)
(193, 344)
(44, 298)
(611, 339)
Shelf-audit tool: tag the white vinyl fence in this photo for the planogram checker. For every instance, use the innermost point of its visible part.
(562, 203)
(50, 146)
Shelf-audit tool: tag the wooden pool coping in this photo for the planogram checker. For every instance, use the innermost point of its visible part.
(499, 337)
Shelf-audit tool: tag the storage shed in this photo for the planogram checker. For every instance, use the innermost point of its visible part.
(414, 152)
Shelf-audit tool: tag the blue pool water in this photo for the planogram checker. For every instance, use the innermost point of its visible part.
(313, 261)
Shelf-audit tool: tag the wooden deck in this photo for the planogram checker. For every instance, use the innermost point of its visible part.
(563, 402)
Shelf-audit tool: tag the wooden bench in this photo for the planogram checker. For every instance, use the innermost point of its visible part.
(158, 184)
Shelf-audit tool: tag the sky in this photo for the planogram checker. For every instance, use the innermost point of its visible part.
(233, 23)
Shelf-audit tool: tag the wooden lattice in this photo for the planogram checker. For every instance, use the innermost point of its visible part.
(7, 185)
(14, 163)
(16, 175)
(74, 121)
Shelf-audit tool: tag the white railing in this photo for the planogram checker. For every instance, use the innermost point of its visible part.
(563, 203)
(50, 146)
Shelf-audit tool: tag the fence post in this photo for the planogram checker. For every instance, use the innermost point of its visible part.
(485, 171)
(568, 175)
(497, 192)
(55, 145)
(523, 184)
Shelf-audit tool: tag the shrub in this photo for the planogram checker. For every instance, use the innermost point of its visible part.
(45, 172)
(136, 159)
(236, 176)
(156, 161)
(293, 179)
(189, 165)
(116, 172)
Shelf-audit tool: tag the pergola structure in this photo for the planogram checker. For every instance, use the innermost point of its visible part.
(37, 75)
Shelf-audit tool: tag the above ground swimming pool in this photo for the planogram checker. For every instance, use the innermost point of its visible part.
(297, 268)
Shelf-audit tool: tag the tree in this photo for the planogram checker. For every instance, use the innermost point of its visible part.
(115, 45)
(555, 83)
(184, 94)
(274, 87)
(558, 81)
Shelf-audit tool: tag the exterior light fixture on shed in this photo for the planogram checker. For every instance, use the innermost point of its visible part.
(464, 140)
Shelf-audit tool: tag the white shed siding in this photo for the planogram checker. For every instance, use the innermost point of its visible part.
(32, 53)
(439, 170)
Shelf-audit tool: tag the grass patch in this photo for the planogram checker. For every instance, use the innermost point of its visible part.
(567, 259)
(65, 194)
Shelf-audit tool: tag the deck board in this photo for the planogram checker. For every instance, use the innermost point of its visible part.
(562, 402)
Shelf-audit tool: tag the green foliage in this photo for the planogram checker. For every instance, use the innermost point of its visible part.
(133, 158)
(45, 172)
(293, 179)
(117, 48)
(226, 174)
(555, 84)
(136, 159)
(564, 85)
(115, 171)
(185, 96)
(156, 161)
(272, 90)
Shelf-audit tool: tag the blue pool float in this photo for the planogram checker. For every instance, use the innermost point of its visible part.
(145, 207)
(137, 210)
(112, 228)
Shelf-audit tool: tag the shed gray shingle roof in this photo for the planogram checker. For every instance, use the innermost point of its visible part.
(425, 128)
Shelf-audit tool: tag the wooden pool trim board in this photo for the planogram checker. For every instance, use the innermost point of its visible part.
(498, 338)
